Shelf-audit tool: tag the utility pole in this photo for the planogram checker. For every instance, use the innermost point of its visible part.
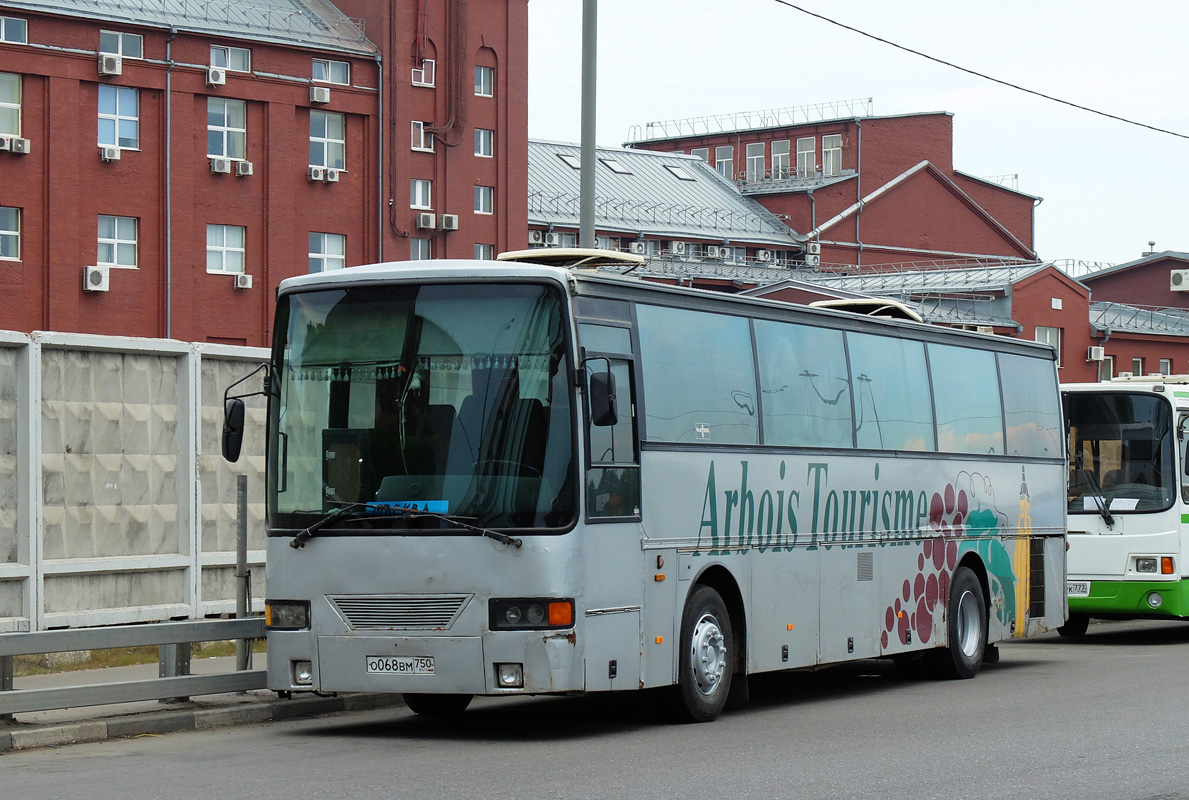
(586, 193)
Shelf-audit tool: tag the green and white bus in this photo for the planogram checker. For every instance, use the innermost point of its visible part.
(1128, 499)
(519, 479)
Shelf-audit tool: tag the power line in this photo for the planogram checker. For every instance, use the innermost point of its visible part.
(980, 74)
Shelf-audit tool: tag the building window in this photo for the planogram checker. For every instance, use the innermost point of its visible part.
(678, 173)
(702, 153)
(485, 81)
(13, 30)
(484, 199)
(328, 145)
(419, 249)
(607, 242)
(326, 71)
(755, 162)
(484, 143)
(420, 193)
(226, 128)
(573, 161)
(224, 249)
(117, 242)
(485, 252)
(119, 116)
(832, 155)
(234, 59)
(422, 139)
(806, 157)
(1107, 370)
(424, 75)
(724, 161)
(1166, 366)
(10, 104)
(10, 234)
(1052, 337)
(1137, 366)
(125, 45)
(780, 159)
(327, 251)
(615, 166)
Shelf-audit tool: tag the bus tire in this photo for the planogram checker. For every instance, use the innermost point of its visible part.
(437, 705)
(1076, 625)
(706, 659)
(966, 626)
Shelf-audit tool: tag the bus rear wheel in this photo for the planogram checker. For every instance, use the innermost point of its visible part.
(437, 705)
(707, 657)
(966, 626)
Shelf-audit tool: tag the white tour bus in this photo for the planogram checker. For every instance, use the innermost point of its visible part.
(514, 479)
(1128, 499)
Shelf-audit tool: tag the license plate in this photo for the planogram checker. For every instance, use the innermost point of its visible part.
(1077, 588)
(400, 665)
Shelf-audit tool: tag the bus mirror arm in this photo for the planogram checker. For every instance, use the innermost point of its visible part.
(604, 411)
(233, 415)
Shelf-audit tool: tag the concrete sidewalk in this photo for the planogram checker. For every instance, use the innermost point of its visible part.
(95, 723)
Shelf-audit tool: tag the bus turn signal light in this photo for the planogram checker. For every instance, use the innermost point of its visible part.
(561, 613)
(1166, 565)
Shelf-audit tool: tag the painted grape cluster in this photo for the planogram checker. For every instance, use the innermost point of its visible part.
(913, 608)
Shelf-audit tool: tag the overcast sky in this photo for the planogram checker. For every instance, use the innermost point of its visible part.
(1108, 187)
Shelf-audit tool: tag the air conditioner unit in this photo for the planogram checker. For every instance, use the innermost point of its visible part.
(243, 168)
(552, 239)
(243, 281)
(332, 175)
(1125, 375)
(319, 94)
(110, 64)
(1095, 353)
(427, 221)
(109, 152)
(813, 248)
(1178, 280)
(812, 261)
(316, 173)
(639, 248)
(20, 146)
(448, 222)
(678, 248)
(763, 255)
(535, 237)
(5, 143)
(216, 76)
(985, 328)
(221, 166)
(712, 251)
(95, 279)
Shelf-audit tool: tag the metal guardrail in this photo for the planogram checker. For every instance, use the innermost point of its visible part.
(175, 681)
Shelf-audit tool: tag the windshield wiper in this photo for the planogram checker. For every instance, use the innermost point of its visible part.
(382, 510)
(1099, 497)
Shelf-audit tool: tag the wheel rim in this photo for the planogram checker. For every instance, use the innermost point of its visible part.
(970, 629)
(708, 654)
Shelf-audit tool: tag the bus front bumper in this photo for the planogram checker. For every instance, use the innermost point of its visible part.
(1133, 599)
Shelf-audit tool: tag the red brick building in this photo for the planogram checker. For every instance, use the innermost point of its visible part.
(164, 166)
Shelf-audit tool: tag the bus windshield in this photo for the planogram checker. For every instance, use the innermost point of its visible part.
(452, 399)
(1120, 453)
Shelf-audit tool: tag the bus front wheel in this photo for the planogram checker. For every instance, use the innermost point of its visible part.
(1075, 626)
(437, 705)
(707, 657)
(966, 624)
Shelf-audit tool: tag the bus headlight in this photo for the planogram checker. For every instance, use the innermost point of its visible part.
(1155, 600)
(530, 613)
(509, 676)
(1145, 565)
(287, 615)
(303, 673)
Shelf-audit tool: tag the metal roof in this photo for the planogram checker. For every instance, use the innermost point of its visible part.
(960, 278)
(302, 23)
(1121, 318)
(650, 194)
(1148, 258)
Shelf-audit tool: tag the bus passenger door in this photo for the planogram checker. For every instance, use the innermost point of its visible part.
(612, 555)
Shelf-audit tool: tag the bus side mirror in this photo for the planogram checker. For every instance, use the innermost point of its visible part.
(233, 428)
(603, 410)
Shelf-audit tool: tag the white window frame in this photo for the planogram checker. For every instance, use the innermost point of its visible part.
(229, 256)
(421, 139)
(121, 48)
(232, 138)
(421, 193)
(424, 75)
(232, 59)
(484, 143)
(328, 68)
(484, 81)
(11, 235)
(334, 148)
(702, 153)
(1107, 369)
(780, 159)
(420, 249)
(9, 105)
(328, 251)
(724, 157)
(755, 154)
(832, 155)
(118, 243)
(806, 157)
(1050, 336)
(485, 252)
(121, 114)
(14, 30)
(484, 200)
(1137, 366)
(1166, 366)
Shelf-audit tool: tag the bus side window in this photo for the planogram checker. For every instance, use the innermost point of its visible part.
(613, 479)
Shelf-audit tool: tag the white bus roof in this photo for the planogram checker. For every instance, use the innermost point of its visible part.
(573, 257)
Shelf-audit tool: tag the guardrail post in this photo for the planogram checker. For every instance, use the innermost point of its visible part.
(173, 660)
(6, 681)
(243, 577)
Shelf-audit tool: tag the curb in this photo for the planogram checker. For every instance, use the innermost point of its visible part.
(150, 723)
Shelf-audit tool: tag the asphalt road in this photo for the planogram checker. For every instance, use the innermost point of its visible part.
(1101, 717)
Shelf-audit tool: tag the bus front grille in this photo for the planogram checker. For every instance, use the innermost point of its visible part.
(417, 612)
